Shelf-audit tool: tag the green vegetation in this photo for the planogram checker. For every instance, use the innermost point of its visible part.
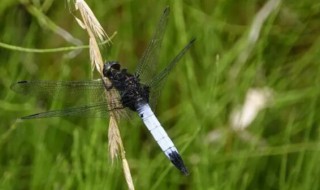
(239, 46)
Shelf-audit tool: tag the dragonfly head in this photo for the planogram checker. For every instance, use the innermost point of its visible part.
(109, 67)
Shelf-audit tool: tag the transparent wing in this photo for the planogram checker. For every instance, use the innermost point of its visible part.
(146, 68)
(87, 98)
(65, 91)
(158, 81)
(99, 110)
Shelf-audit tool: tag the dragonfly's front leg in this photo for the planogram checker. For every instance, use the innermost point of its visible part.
(109, 87)
(106, 85)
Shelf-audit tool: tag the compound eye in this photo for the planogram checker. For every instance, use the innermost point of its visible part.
(110, 65)
(115, 66)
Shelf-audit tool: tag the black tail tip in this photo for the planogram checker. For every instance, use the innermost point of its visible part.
(185, 171)
(178, 162)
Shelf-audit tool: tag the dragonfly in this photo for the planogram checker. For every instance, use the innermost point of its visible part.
(136, 92)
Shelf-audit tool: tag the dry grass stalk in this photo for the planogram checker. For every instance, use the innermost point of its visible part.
(94, 29)
(250, 42)
(90, 20)
(95, 55)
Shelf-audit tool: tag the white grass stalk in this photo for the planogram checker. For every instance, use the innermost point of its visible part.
(94, 30)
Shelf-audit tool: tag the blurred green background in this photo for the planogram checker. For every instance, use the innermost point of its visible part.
(271, 48)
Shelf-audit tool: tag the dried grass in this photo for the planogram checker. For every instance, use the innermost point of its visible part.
(94, 30)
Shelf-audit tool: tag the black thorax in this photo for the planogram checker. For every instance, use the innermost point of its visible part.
(131, 91)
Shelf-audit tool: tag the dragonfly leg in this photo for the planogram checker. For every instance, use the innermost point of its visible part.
(106, 86)
(117, 108)
(109, 87)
